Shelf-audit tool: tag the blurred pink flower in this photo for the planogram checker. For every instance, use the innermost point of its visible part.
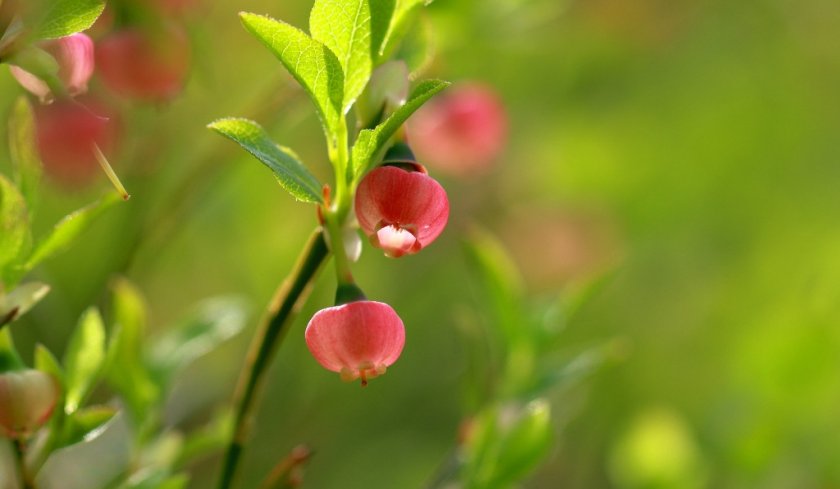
(147, 66)
(176, 6)
(461, 131)
(66, 132)
(401, 211)
(358, 339)
(74, 55)
(27, 399)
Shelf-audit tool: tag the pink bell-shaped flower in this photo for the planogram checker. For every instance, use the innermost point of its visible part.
(27, 399)
(401, 211)
(359, 339)
(461, 131)
(66, 132)
(74, 55)
(148, 66)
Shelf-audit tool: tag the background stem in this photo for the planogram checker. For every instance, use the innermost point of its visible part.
(282, 310)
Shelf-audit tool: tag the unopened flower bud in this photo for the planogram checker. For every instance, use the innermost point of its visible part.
(401, 211)
(147, 66)
(461, 131)
(74, 55)
(359, 339)
(27, 399)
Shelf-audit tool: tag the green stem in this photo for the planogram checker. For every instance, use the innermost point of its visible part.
(282, 310)
(20, 454)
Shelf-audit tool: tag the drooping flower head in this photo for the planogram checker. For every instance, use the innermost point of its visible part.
(66, 132)
(461, 131)
(401, 210)
(75, 58)
(27, 398)
(148, 66)
(359, 339)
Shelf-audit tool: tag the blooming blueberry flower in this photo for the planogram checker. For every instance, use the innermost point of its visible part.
(461, 131)
(148, 66)
(401, 211)
(359, 339)
(27, 399)
(74, 55)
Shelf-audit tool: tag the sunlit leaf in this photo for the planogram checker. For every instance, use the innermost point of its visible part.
(45, 361)
(506, 442)
(290, 172)
(311, 63)
(84, 358)
(68, 229)
(405, 14)
(353, 30)
(20, 300)
(24, 151)
(371, 142)
(15, 237)
(82, 422)
(64, 17)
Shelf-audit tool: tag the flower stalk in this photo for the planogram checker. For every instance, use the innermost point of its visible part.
(280, 313)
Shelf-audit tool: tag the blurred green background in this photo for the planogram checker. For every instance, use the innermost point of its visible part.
(687, 151)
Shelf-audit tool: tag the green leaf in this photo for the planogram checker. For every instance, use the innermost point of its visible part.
(46, 362)
(68, 229)
(64, 17)
(290, 172)
(15, 237)
(24, 151)
(124, 366)
(506, 443)
(93, 463)
(20, 300)
(525, 444)
(311, 63)
(82, 422)
(9, 358)
(417, 48)
(405, 13)
(213, 322)
(353, 30)
(371, 142)
(84, 358)
(502, 286)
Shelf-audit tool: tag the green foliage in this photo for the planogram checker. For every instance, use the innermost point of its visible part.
(372, 142)
(125, 366)
(80, 423)
(311, 63)
(24, 152)
(9, 358)
(84, 358)
(212, 323)
(110, 448)
(505, 443)
(45, 361)
(15, 236)
(290, 172)
(405, 13)
(68, 229)
(64, 17)
(20, 300)
(353, 30)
